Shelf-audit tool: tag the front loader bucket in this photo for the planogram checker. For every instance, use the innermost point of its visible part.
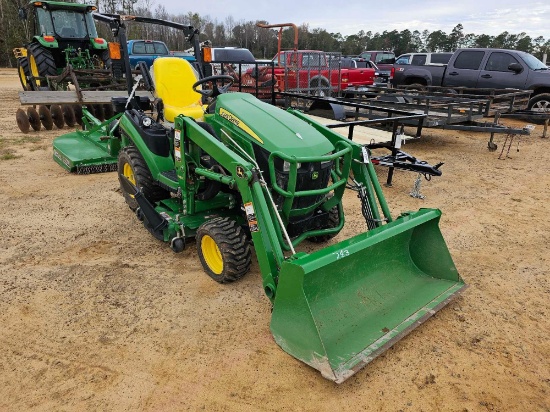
(338, 308)
(85, 152)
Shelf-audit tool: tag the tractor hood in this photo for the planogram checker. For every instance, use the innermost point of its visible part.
(272, 128)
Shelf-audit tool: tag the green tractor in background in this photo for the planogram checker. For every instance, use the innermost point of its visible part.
(64, 35)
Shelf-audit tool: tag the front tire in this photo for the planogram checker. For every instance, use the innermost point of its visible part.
(132, 166)
(223, 249)
(333, 221)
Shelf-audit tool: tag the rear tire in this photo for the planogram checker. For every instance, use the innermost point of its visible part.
(320, 89)
(540, 103)
(132, 166)
(416, 87)
(223, 249)
(106, 59)
(24, 71)
(41, 64)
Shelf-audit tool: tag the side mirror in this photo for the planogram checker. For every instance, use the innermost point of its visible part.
(515, 67)
(22, 13)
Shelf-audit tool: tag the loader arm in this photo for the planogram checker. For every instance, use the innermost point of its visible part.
(248, 182)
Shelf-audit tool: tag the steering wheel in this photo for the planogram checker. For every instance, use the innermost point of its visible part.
(215, 90)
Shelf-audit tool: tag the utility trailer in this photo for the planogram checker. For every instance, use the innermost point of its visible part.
(497, 100)
(457, 110)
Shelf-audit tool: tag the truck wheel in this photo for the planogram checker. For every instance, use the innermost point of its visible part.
(223, 249)
(320, 89)
(41, 64)
(540, 103)
(416, 87)
(132, 166)
(23, 71)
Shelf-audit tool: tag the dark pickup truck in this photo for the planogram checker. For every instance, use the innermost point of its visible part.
(484, 69)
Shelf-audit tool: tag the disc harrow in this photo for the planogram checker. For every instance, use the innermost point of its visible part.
(46, 116)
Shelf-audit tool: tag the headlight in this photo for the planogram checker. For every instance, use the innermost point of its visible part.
(146, 121)
(286, 166)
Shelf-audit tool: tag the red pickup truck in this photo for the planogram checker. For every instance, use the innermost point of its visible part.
(317, 72)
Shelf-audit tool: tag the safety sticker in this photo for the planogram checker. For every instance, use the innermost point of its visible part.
(251, 217)
(365, 152)
(177, 145)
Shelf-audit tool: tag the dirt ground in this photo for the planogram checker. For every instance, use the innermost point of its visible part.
(95, 314)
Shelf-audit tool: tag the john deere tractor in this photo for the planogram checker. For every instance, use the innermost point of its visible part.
(238, 173)
(64, 34)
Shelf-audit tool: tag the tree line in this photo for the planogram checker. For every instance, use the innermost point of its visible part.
(263, 42)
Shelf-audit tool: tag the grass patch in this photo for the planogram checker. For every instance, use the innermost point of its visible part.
(39, 147)
(32, 139)
(8, 154)
(28, 139)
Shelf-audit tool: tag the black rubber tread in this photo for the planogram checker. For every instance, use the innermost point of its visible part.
(106, 59)
(23, 65)
(234, 247)
(45, 62)
(416, 87)
(334, 220)
(142, 175)
(544, 97)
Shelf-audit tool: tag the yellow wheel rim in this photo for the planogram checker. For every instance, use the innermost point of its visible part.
(212, 254)
(34, 68)
(129, 173)
(22, 76)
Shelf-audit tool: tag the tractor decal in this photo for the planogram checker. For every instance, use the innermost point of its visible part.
(239, 123)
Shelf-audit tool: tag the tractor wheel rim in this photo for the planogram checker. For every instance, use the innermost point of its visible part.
(23, 77)
(34, 69)
(212, 254)
(129, 173)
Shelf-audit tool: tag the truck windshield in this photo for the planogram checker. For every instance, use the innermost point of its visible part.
(533, 62)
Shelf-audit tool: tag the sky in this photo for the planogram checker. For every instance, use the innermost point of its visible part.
(347, 17)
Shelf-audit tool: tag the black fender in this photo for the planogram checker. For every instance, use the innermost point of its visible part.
(415, 75)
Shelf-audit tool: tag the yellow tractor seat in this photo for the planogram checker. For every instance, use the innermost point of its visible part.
(173, 78)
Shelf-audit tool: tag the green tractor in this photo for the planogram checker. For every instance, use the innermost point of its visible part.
(64, 35)
(238, 173)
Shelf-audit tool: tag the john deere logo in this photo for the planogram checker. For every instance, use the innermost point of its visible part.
(239, 123)
(314, 175)
(240, 171)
